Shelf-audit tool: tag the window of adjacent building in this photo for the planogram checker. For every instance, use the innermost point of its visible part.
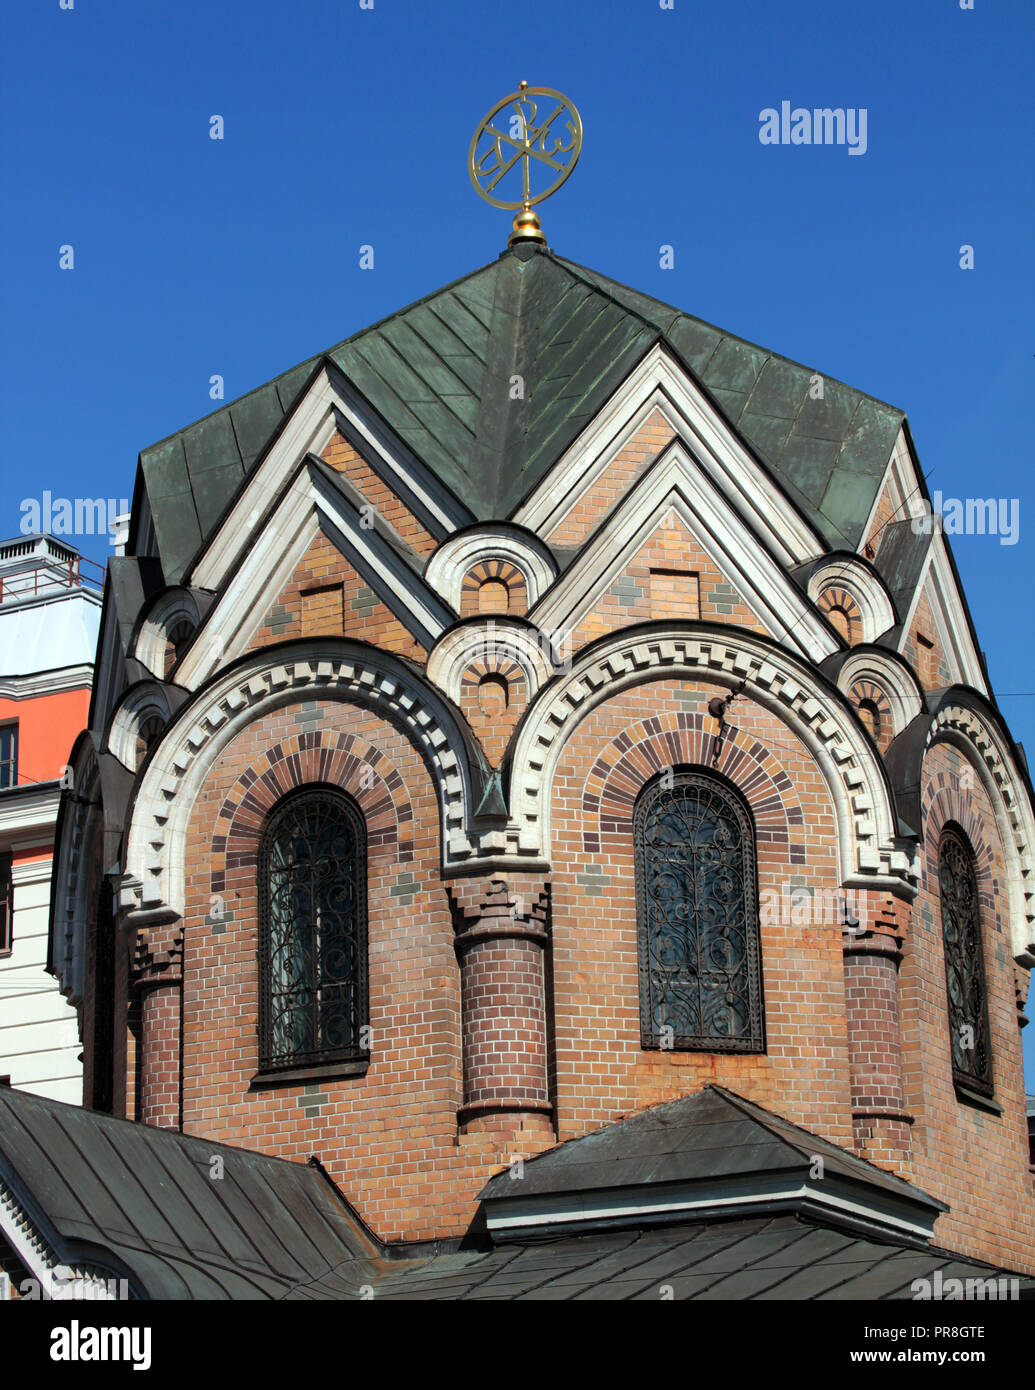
(8, 755)
(969, 1032)
(6, 904)
(697, 905)
(312, 932)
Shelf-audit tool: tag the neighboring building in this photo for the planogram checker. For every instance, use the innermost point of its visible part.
(50, 607)
(538, 709)
(1031, 1129)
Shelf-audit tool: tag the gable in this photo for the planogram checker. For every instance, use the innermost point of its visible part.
(671, 576)
(347, 461)
(326, 596)
(490, 380)
(678, 523)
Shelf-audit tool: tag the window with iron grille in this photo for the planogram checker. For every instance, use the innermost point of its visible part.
(313, 932)
(697, 905)
(8, 755)
(964, 964)
(6, 904)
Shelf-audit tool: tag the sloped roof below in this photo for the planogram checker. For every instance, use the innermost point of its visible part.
(440, 372)
(144, 1202)
(712, 1134)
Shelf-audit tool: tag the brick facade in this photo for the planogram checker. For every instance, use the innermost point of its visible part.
(504, 1000)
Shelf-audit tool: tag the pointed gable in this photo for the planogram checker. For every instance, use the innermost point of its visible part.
(492, 378)
(327, 596)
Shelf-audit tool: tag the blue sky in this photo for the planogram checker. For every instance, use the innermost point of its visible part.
(346, 127)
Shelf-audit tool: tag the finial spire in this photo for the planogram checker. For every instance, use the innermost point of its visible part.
(506, 141)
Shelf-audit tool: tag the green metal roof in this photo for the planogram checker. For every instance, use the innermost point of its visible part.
(440, 373)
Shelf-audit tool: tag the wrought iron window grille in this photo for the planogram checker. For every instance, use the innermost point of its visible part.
(313, 932)
(697, 907)
(969, 1032)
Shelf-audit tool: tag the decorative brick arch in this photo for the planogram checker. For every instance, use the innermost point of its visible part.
(982, 744)
(643, 750)
(866, 694)
(872, 852)
(494, 571)
(840, 607)
(318, 669)
(494, 730)
(945, 803)
(338, 759)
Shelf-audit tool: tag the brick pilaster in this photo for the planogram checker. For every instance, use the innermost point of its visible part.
(872, 955)
(158, 982)
(502, 935)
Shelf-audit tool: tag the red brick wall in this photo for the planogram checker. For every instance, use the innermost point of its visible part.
(602, 1070)
(634, 598)
(389, 1137)
(614, 481)
(343, 458)
(974, 1160)
(311, 601)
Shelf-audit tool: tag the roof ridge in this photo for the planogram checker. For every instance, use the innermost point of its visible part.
(716, 328)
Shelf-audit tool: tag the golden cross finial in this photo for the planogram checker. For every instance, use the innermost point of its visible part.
(502, 148)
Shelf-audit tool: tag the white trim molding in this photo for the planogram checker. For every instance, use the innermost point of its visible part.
(139, 704)
(490, 636)
(677, 486)
(658, 382)
(331, 405)
(452, 561)
(170, 608)
(876, 611)
(871, 853)
(309, 505)
(315, 668)
(987, 752)
(890, 675)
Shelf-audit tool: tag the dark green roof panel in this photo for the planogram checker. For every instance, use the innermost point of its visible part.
(440, 374)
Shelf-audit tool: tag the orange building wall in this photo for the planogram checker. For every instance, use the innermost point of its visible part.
(48, 725)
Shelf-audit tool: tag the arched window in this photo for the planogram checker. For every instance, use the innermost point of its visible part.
(697, 903)
(964, 964)
(312, 932)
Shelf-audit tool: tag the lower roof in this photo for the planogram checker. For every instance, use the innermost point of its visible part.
(182, 1218)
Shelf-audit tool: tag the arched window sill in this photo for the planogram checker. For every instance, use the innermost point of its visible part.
(968, 1097)
(327, 1071)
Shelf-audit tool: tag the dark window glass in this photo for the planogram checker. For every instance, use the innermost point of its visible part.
(6, 904)
(964, 964)
(313, 950)
(8, 756)
(699, 946)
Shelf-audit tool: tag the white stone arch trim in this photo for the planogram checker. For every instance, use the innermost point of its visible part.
(489, 636)
(168, 610)
(329, 669)
(871, 854)
(905, 698)
(453, 559)
(137, 706)
(986, 750)
(81, 819)
(876, 611)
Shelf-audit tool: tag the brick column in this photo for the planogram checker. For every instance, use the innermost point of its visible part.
(158, 981)
(502, 934)
(872, 955)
